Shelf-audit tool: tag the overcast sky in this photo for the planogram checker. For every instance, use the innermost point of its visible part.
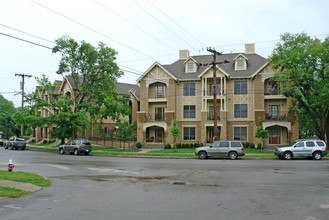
(144, 31)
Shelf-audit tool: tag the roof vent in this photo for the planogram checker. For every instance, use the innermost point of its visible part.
(184, 54)
(250, 48)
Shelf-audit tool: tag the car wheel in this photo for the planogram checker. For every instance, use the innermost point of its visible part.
(203, 155)
(233, 155)
(62, 151)
(317, 155)
(287, 155)
(76, 152)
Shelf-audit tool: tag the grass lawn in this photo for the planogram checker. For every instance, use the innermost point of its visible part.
(25, 177)
(12, 192)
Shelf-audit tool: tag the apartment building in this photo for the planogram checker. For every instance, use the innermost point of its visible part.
(184, 90)
(68, 87)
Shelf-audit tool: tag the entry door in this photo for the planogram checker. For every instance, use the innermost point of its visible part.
(159, 134)
(210, 134)
(274, 136)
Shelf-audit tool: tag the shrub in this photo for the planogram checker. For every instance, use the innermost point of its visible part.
(167, 146)
(259, 145)
(201, 145)
(51, 141)
(139, 145)
(252, 145)
(191, 145)
(178, 145)
(33, 140)
(45, 142)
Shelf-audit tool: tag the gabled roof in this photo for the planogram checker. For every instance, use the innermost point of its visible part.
(125, 88)
(240, 55)
(255, 62)
(154, 65)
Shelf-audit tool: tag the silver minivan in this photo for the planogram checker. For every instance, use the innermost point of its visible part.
(230, 149)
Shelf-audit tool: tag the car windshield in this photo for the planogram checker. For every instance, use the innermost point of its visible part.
(20, 139)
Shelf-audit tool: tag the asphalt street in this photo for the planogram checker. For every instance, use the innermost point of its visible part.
(95, 187)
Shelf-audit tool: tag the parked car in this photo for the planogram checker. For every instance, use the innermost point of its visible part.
(76, 146)
(310, 148)
(230, 149)
(2, 142)
(15, 143)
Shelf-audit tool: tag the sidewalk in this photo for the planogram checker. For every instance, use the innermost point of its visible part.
(19, 185)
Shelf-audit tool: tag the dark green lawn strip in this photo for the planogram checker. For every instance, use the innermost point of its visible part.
(25, 177)
(12, 192)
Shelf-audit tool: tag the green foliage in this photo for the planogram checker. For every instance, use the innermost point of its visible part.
(139, 145)
(45, 141)
(126, 131)
(175, 131)
(25, 177)
(7, 125)
(167, 146)
(94, 73)
(12, 192)
(301, 63)
(259, 145)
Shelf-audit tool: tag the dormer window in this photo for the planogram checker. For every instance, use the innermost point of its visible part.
(190, 65)
(240, 62)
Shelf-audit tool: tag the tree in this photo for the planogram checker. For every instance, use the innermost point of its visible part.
(175, 131)
(7, 125)
(301, 65)
(94, 74)
(126, 131)
(261, 132)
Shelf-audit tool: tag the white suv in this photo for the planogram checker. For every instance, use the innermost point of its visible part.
(303, 148)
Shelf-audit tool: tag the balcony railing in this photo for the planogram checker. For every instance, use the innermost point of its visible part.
(211, 116)
(211, 93)
(276, 117)
(155, 117)
(157, 96)
(272, 91)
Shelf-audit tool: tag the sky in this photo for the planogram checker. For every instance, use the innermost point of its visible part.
(143, 31)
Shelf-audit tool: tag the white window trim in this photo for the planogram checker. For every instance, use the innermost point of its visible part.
(189, 126)
(240, 126)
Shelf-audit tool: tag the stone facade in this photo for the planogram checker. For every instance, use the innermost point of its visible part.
(184, 90)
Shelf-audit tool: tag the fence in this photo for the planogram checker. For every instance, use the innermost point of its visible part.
(112, 142)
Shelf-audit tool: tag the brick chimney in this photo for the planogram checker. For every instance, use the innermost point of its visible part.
(249, 48)
(184, 54)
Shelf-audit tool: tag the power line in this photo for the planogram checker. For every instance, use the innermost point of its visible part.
(89, 28)
(162, 24)
(176, 23)
(25, 41)
(134, 25)
(27, 33)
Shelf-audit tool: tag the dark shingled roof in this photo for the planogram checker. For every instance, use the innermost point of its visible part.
(121, 88)
(254, 62)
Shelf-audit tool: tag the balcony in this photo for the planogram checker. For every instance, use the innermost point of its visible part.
(276, 117)
(155, 117)
(211, 116)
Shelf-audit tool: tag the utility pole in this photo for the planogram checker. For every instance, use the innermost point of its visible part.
(22, 89)
(214, 63)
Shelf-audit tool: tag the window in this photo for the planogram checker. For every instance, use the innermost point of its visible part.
(240, 133)
(300, 144)
(212, 89)
(160, 92)
(240, 63)
(189, 89)
(189, 133)
(240, 110)
(240, 87)
(320, 143)
(224, 144)
(310, 144)
(236, 144)
(190, 66)
(189, 111)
